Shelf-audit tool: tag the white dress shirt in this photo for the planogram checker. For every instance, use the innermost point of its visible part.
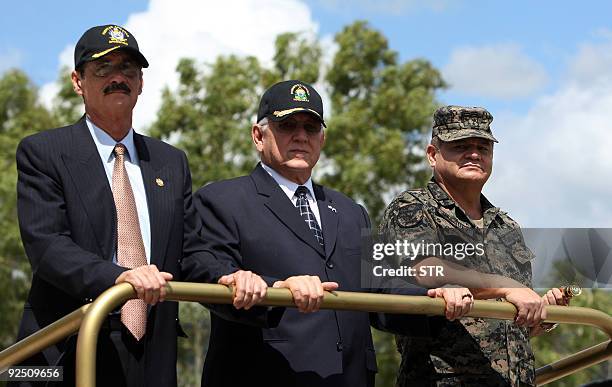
(105, 145)
(289, 188)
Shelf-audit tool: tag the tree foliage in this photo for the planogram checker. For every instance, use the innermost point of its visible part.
(568, 339)
(381, 114)
(20, 115)
(67, 105)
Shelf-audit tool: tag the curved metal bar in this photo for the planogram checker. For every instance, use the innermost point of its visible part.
(367, 302)
(576, 362)
(90, 328)
(49, 335)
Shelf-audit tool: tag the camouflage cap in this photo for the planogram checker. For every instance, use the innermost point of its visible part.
(453, 123)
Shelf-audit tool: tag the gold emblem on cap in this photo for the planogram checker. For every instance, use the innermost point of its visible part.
(116, 34)
(159, 182)
(300, 93)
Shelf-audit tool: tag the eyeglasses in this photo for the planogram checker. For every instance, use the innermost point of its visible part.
(127, 68)
(290, 126)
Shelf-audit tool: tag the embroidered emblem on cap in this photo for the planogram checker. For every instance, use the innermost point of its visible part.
(300, 93)
(117, 35)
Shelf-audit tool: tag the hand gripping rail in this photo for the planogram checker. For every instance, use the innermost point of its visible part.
(90, 318)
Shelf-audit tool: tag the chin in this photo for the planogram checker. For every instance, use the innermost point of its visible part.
(298, 164)
(475, 177)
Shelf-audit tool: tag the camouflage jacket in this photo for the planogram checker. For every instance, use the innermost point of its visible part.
(471, 351)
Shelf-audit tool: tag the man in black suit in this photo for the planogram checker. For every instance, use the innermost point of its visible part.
(298, 235)
(100, 204)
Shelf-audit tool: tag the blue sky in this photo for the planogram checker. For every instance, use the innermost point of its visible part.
(543, 68)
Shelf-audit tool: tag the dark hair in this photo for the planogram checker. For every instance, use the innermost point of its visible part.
(81, 69)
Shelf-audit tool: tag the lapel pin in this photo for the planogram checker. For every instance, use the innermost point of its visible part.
(332, 208)
(159, 182)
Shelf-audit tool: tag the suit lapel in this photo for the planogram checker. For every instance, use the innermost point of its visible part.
(329, 219)
(275, 199)
(89, 177)
(156, 178)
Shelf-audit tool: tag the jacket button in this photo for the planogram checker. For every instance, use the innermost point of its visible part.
(330, 265)
(339, 346)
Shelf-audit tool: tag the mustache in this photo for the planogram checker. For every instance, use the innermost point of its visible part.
(117, 87)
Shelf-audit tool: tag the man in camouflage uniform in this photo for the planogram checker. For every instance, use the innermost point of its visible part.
(451, 209)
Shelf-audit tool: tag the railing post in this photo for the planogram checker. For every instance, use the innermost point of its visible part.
(90, 328)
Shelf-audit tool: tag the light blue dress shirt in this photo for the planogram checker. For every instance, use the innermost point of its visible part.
(105, 145)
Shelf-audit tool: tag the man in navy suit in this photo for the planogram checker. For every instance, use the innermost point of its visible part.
(95, 197)
(297, 235)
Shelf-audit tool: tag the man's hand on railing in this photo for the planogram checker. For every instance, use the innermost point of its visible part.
(249, 288)
(459, 301)
(530, 306)
(149, 283)
(554, 296)
(307, 291)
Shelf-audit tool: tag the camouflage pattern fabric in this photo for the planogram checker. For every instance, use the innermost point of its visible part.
(453, 123)
(472, 351)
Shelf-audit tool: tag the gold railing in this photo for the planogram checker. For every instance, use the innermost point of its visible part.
(93, 315)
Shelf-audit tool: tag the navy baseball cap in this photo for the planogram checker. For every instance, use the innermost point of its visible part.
(286, 98)
(101, 40)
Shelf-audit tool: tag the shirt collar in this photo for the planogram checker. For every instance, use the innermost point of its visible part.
(106, 144)
(442, 197)
(489, 211)
(287, 185)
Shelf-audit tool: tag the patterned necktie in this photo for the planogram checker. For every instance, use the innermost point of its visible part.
(307, 214)
(130, 248)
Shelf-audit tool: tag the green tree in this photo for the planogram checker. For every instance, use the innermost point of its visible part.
(20, 115)
(67, 105)
(210, 116)
(381, 114)
(195, 320)
(568, 339)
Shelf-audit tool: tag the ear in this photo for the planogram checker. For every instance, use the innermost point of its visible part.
(431, 155)
(257, 136)
(76, 82)
(323, 138)
(141, 84)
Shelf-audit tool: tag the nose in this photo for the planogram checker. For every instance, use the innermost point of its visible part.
(473, 154)
(116, 76)
(300, 133)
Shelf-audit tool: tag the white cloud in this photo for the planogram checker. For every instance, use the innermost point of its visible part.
(168, 31)
(593, 63)
(393, 7)
(499, 71)
(48, 91)
(47, 94)
(10, 59)
(553, 166)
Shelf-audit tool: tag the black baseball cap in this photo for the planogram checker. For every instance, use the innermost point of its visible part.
(290, 97)
(101, 40)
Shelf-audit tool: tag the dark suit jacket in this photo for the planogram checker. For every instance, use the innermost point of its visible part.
(250, 221)
(68, 226)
